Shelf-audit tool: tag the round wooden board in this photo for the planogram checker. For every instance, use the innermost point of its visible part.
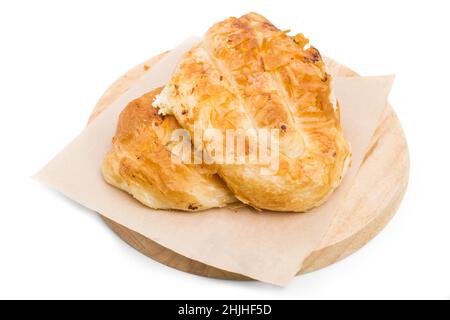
(376, 193)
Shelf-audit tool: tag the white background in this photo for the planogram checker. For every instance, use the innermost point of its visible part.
(58, 57)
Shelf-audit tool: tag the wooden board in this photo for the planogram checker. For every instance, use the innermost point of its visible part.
(375, 196)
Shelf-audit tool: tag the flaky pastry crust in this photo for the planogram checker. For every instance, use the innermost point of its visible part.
(248, 74)
(141, 163)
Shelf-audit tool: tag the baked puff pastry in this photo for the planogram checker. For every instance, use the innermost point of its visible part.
(142, 164)
(247, 74)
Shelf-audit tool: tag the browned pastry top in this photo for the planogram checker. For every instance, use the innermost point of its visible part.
(247, 74)
(141, 163)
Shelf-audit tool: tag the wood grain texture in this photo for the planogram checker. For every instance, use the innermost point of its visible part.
(372, 201)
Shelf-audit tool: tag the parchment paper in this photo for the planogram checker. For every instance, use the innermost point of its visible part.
(269, 247)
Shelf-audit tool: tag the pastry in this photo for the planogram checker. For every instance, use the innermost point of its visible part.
(143, 164)
(248, 75)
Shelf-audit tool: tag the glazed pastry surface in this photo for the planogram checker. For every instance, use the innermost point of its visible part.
(141, 163)
(246, 75)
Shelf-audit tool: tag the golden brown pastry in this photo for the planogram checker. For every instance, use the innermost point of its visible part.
(247, 74)
(140, 163)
